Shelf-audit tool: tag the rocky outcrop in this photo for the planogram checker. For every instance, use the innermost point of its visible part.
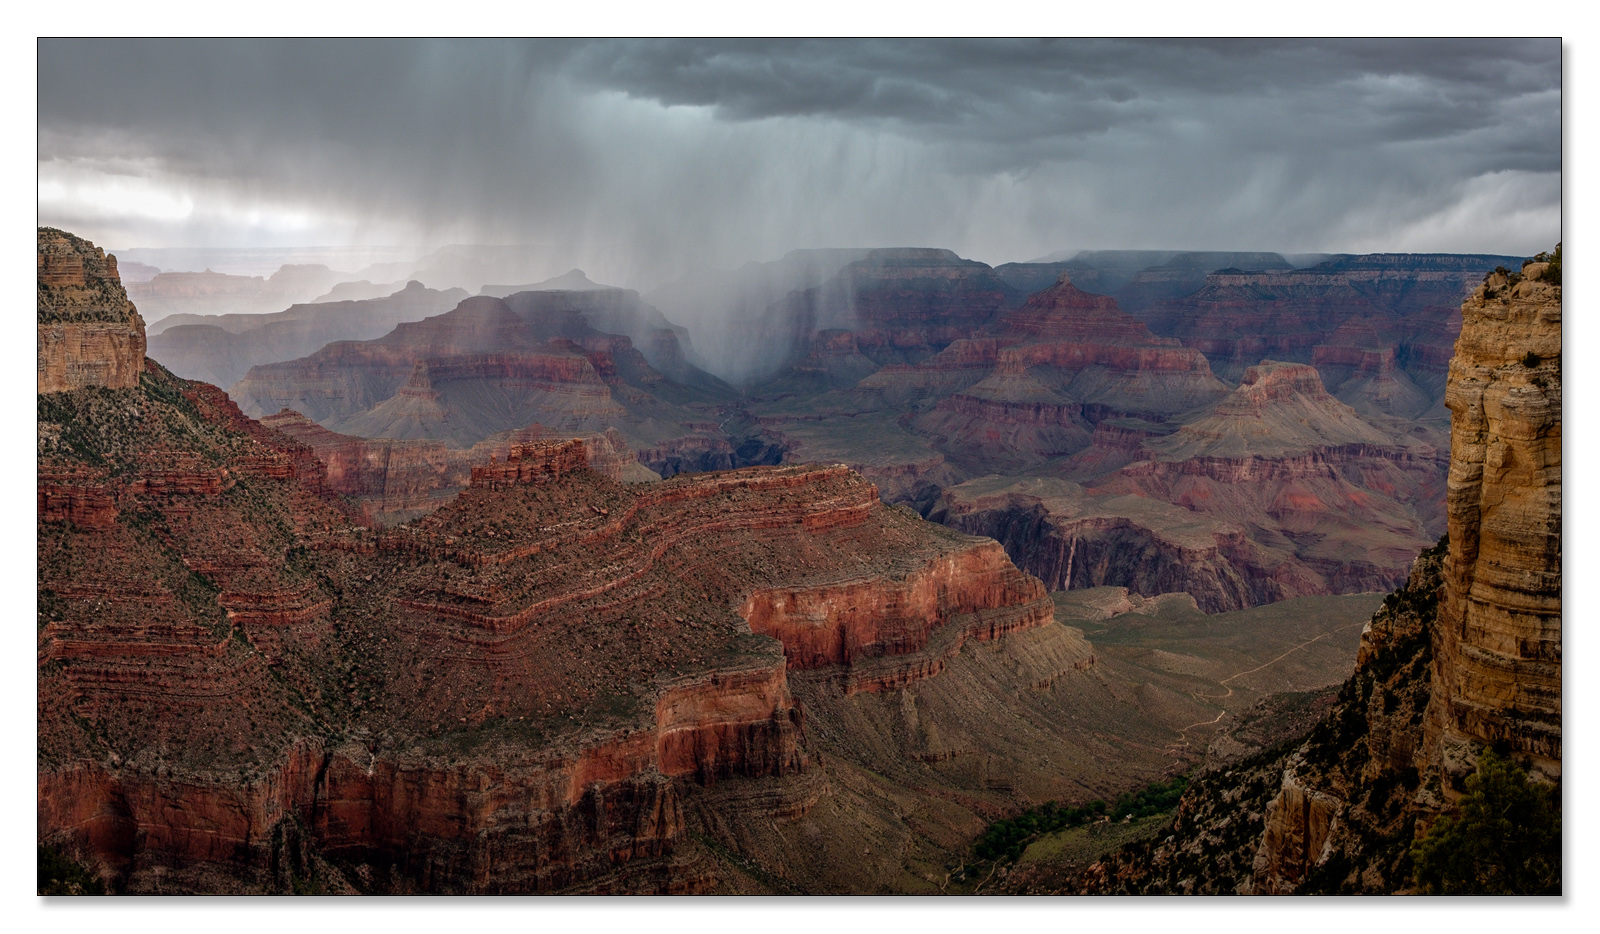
(903, 304)
(396, 480)
(241, 687)
(1498, 658)
(1187, 272)
(492, 366)
(1009, 416)
(978, 593)
(1086, 347)
(595, 807)
(1072, 538)
(1465, 657)
(1347, 502)
(89, 333)
(1022, 391)
(1405, 302)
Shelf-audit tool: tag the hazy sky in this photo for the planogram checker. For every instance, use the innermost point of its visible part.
(640, 158)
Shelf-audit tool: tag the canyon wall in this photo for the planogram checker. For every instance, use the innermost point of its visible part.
(1498, 653)
(89, 334)
(244, 688)
(1464, 658)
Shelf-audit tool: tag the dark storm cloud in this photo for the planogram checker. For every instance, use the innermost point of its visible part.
(1018, 90)
(642, 156)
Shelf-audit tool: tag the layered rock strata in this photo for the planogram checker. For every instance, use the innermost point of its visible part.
(395, 480)
(221, 349)
(1403, 303)
(1465, 657)
(1073, 538)
(1498, 660)
(491, 366)
(1344, 500)
(242, 688)
(89, 333)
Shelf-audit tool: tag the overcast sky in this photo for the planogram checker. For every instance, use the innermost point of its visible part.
(639, 159)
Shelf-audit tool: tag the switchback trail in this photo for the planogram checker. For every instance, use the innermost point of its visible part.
(1183, 734)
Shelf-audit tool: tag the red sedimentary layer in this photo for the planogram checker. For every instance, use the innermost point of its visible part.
(845, 622)
(396, 478)
(1020, 412)
(1066, 327)
(1242, 318)
(538, 594)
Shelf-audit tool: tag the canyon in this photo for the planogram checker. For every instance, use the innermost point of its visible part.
(1298, 491)
(552, 682)
(491, 365)
(1461, 662)
(221, 348)
(926, 372)
(417, 613)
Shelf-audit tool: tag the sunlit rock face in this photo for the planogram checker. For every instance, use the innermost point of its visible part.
(1499, 648)
(89, 333)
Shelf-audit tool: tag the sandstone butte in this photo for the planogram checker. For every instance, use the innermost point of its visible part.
(561, 359)
(1465, 657)
(553, 683)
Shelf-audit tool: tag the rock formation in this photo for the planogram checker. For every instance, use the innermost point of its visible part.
(221, 349)
(1303, 493)
(1498, 656)
(89, 333)
(1465, 657)
(503, 696)
(1073, 538)
(1403, 303)
(901, 305)
(491, 366)
(396, 480)
(214, 293)
(1025, 388)
(1185, 273)
(761, 679)
(1275, 491)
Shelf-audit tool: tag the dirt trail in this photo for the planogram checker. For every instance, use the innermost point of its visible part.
(1183, 735)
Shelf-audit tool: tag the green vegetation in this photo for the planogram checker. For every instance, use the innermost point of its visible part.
(60, 874)
(1504, 839)
(1552, 274)
(1006, 839)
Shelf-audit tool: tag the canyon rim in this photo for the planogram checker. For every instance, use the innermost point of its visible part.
(580, 546)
